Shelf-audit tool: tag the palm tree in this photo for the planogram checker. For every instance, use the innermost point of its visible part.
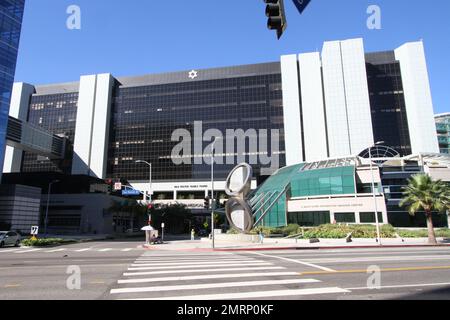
(423, 193)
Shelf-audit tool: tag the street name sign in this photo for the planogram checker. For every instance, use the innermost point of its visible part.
(130, 192)
(301, 5)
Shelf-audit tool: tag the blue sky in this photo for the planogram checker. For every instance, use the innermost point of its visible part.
(136, 37)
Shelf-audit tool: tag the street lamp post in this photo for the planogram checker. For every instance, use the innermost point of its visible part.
(48, 203)
(150, 179)
(213, 203)
(377, 222)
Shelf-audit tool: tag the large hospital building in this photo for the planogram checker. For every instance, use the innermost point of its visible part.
(329, 104)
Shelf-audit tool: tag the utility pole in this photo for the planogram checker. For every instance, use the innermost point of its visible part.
(374, 193)
(48, 204)
(212, 193)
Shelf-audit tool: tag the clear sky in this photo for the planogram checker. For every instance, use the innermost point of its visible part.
(135, 37)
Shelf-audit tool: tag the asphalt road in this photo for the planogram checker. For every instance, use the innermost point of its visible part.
(30, 274)
(121, 270)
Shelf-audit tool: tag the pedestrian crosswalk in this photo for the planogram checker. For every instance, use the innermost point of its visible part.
(212, 276)
(66, 250)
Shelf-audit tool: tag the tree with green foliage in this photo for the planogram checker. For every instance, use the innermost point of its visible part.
(425, 194)
(177, 218)
(133, 207)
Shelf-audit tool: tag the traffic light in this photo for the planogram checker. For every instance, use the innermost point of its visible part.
(277, 16)
(109, 182)
(207, 203)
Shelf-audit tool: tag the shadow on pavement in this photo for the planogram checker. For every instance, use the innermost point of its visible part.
(437, 294)
(141, 238)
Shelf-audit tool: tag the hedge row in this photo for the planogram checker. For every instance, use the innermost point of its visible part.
(442, 233)
(45, 242)
(340, 231)
(333, 231)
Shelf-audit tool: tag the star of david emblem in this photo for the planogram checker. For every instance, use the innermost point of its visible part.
(193, 74)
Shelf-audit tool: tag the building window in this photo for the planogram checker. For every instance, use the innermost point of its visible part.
(347, 217)
(369, 217)
(163, 195)
(309, 219)
(190, 195)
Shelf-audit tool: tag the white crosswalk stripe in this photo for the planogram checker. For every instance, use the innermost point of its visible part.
(196, 267)
(212, 276)
(28, 251)
(213, 285)
(9, 250)
(256, 294)
(145, 260)
(49, 250)
(152, 273)
(210, 263)
(55, 250)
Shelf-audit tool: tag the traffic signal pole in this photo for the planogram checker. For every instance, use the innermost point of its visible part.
(276, 14)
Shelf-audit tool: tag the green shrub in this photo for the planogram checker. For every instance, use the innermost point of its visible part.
(267, 231)
(340, 231)
(233, 231)
(443, 233)
(328, 231)
(45, 242)
(370, 231)
(291, 229)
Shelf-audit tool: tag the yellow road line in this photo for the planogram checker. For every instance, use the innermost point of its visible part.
(12, 286)
(382, 270)
(97, 282)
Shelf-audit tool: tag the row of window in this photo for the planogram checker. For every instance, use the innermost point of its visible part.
(317, 218)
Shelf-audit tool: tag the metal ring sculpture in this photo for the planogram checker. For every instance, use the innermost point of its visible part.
(238, 211)
(379, 152)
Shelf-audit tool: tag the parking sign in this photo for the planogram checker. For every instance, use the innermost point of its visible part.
(34, 230)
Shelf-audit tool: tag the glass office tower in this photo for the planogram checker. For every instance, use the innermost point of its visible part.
(443, 132)
(11, 14)
(327, 105)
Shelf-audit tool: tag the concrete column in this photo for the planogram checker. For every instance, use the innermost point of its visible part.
(332, 218)
(349, 119)
(448, 219)
(385, 217)
(359, 113)
(418, 98)
(20, 105)
(101, 126)
(357, 218)
(84, 126)
(313, 107)
(291, 106)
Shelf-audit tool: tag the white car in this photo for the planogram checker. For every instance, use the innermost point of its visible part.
(9, 238)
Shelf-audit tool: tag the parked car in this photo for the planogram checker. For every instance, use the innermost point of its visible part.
(9, 238)
(203, 233)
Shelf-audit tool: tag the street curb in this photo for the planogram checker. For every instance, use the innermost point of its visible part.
(299, 248)
(334, 247)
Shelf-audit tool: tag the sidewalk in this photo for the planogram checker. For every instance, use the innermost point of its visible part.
(81, 238)
(292, 244)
